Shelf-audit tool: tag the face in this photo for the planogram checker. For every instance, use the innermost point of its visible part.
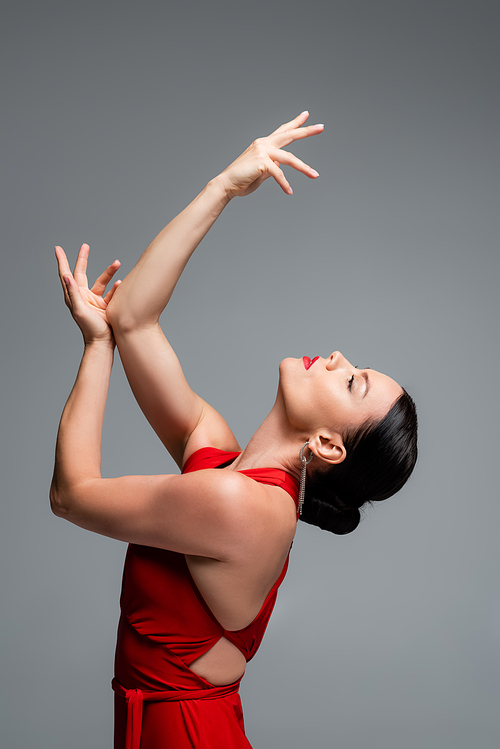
(331, 394)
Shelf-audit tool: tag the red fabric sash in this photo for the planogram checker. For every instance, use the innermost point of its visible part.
(136, 697)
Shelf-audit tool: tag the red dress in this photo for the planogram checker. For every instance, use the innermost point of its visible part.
(165, 625)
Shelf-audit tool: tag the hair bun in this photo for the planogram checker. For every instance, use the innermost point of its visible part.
(329, 518)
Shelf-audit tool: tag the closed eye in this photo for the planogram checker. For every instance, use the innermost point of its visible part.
(365, 378)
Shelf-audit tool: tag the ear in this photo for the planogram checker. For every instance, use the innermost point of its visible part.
(328, 447)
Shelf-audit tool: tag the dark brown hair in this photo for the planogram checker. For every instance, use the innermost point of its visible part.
(379, 460)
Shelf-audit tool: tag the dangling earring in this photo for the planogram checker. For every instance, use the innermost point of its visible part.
(302, 489)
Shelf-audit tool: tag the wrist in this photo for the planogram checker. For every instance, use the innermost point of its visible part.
(106, 345)
(218, 188)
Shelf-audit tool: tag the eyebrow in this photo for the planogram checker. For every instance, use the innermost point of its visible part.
(367, 383)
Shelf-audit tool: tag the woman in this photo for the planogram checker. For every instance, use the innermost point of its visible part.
(209, 548)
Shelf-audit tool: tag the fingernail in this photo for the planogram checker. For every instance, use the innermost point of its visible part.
(314, 172)
(320, 124)
(66, 281)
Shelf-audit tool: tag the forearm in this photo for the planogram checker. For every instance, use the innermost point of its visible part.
(78, 448)
(146, 290)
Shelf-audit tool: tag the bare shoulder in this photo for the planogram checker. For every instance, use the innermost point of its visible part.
(262, 517)
(253, 515)
(261, 522)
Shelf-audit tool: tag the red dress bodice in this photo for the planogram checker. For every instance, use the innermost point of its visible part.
(165, 624)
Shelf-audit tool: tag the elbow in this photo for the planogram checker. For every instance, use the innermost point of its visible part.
(58, 503)
(115, 313)
(120, 318)
(127, 316)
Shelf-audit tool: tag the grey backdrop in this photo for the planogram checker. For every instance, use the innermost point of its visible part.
(115, 116)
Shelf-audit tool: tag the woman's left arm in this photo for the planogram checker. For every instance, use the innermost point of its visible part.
(78, 447)
(199, 513)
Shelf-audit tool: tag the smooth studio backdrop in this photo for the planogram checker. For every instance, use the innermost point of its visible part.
(114, 115)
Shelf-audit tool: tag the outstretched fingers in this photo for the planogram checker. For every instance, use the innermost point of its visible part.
(64, 271)
(71, 291)
(274, 170)
(285, 157)
(105, 277)
(283, 136)
(286, 137)
(110, 294)
(72, 282)
(296, 122)
(62, 262)
(80, 272)
(293, 130)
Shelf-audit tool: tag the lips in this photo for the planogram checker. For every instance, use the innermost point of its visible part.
(309, 362)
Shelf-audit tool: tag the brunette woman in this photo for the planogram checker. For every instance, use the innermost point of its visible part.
(209, 547)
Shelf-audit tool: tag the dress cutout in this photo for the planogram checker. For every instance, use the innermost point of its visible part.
(165, 625)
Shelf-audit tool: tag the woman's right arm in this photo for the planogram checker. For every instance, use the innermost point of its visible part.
(153, 370)
(182, 420)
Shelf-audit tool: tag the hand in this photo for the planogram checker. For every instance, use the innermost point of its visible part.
(88, 306)
(263, 158)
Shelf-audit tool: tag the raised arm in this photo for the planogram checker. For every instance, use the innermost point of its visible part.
(196, 514)
(153, 370)
(182, 420)
(146, 290)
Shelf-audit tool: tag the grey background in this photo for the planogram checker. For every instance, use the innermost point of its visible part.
(115, 115)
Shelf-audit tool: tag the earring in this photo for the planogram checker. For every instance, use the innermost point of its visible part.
(305, 463)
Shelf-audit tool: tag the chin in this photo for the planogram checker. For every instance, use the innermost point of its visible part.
(289, 375)
(286, 364)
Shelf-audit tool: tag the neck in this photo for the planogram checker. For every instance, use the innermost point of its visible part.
(273, 445)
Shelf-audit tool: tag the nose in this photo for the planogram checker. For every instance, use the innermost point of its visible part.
(337, 361)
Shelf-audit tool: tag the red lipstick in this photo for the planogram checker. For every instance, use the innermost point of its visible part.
(309, 362)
